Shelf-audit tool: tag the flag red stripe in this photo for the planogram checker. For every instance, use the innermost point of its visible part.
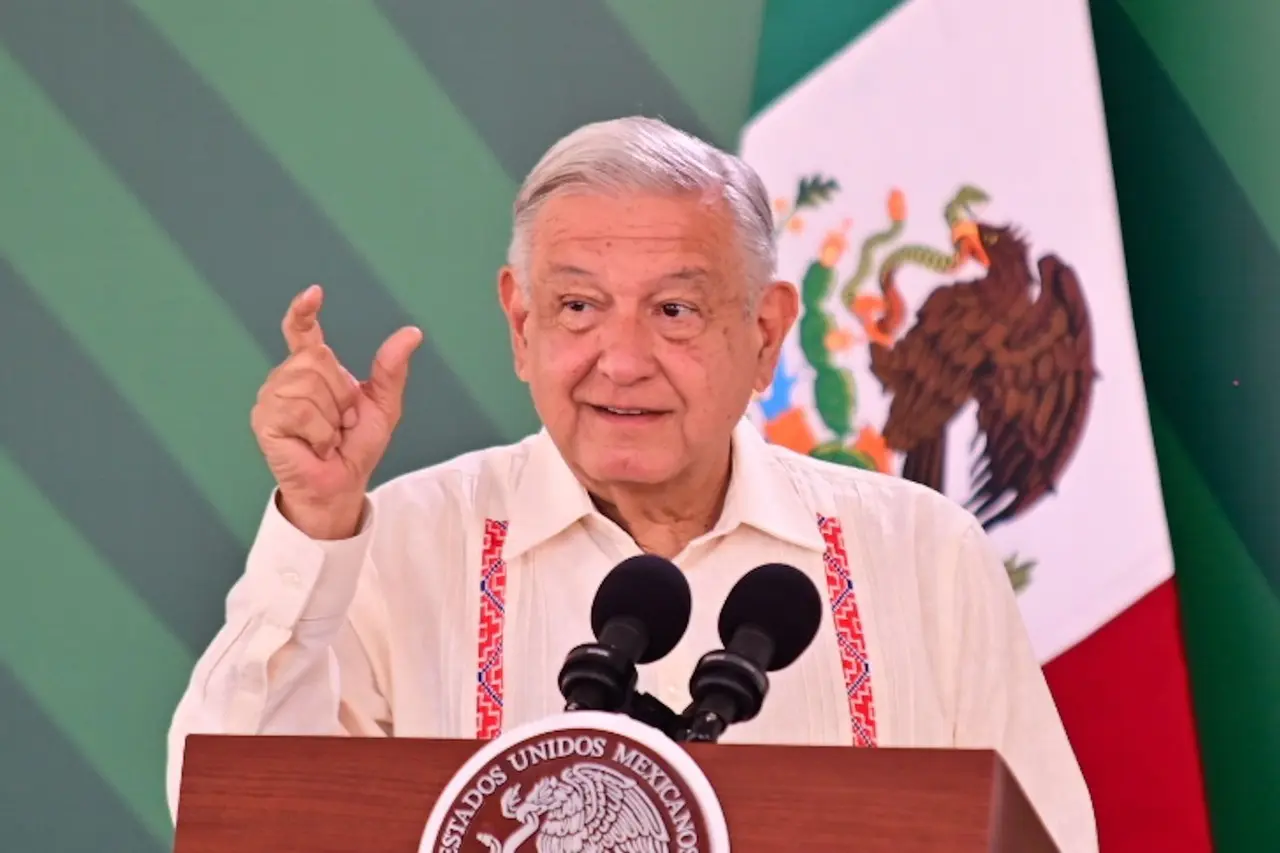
(1126, 703)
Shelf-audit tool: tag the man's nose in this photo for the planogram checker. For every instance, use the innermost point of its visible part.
(626, 352)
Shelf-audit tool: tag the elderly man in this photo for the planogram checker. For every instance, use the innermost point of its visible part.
(643, 314)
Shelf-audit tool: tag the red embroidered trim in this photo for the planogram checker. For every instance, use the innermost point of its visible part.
(493, 603)
(849, 637)
(844, 609)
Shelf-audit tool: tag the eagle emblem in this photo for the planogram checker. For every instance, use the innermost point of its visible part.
(1014, 345)
(588, 808)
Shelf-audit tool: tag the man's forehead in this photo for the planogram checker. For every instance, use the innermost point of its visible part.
(643, 221)
(624, 276)
(685, 237)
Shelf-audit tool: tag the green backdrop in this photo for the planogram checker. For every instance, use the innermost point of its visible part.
(173, 171)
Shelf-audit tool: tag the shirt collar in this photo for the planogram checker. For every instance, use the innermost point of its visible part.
(762, 494)
(548, 498)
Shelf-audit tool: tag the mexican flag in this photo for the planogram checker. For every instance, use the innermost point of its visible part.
(944, 199)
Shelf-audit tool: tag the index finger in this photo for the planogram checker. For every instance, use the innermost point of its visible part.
(301, 324)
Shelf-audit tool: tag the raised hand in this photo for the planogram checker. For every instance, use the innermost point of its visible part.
(321, 430)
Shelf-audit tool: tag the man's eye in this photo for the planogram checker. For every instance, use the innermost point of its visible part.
(675, 310)
(575, 315)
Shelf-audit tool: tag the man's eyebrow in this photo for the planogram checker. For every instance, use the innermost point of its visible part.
(691, 274)
(688, 274)
(569, 270)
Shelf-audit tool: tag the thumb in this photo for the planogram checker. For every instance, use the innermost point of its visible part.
(391, 369)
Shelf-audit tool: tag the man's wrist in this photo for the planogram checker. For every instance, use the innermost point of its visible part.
(336, 519)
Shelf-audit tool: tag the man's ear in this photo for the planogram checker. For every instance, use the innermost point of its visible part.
(517, 312)
(776, 313)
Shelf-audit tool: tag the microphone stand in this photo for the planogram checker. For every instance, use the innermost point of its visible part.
(705, 727)
(654, 713)
(727, 686)
(689, 726)
(601, 676)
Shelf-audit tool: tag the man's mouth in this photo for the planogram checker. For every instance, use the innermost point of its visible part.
(619, 412)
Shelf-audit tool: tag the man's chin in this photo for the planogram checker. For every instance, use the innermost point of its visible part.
(636, 469)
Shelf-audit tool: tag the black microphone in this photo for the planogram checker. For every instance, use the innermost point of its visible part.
(640, 612)
(769, 619)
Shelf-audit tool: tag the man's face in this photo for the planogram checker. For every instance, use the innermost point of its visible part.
(637, 339)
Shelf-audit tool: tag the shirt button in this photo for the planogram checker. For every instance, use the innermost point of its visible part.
(291, 578)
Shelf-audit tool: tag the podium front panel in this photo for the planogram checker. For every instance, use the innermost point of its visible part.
(373, 795)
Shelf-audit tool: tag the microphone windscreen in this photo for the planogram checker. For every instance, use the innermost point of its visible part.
(654, 592)
(778, 600)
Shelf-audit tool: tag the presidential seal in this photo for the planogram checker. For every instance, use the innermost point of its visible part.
(578, 782)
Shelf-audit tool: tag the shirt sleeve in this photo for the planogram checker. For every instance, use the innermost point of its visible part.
(1004, 703)
(293, 623)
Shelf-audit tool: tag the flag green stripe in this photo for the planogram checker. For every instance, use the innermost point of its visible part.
(1220, 78)
(69, 432)
(55, 196)
(207, 181)
(1202, 268)
(47, 778)
(71, 614)
(1231, 627)
(799, 35)
(551, 78)
(716, 84)
(337, 97)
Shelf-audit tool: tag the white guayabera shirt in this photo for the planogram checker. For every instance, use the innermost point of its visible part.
(450, 613)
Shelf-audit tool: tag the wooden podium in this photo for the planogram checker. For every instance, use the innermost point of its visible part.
(370, 795)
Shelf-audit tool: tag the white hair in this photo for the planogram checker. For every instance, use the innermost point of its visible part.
(638, 154)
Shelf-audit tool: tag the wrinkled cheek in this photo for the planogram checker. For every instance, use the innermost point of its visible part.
(558, 368)
(726, 392)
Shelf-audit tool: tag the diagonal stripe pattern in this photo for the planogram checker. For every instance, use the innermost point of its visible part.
(207, 181)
